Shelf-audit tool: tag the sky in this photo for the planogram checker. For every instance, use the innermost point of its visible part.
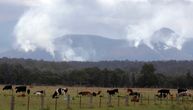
(28, 25)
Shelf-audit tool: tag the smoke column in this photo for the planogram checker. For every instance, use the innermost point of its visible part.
(136, 21)
(41, 24)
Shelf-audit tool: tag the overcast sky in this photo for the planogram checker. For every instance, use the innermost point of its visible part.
(31, 24)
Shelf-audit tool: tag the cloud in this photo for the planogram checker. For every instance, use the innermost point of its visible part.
(44, 21)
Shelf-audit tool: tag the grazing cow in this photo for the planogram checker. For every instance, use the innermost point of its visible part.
(163, 93)
(181, 90)
(131, 93)
(95, 94)
(112, 91)
(59, 91)
(7, 87)
(84, 93)
(20, 89)
(181, 94)
(39, 92)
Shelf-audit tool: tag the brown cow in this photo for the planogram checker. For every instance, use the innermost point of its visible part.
(131, 93)
(85, 93)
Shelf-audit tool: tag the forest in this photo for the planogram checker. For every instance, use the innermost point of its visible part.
(165, 74)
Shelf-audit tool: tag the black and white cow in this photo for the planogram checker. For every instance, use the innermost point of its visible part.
(163, 93)
(7, 87)
(59, 91)
(21, 89)
(42, 92)
(181, 90)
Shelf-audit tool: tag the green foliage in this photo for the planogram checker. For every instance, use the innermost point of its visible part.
(52, 73)
(148, 77)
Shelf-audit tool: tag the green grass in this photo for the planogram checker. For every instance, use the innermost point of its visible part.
(49, 103)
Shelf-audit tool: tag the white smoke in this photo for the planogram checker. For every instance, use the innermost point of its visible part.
(41, 24)
(153, 15)
(134, 20)
(175, 16)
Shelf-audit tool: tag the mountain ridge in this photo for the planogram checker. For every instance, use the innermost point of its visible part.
(98, 48)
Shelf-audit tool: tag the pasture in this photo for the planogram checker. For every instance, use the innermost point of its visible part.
(119, 101)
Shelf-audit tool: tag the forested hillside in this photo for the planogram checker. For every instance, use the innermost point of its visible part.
(104, 73)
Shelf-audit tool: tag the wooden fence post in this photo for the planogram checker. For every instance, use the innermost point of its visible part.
(148, 99)
(141, 99)
(90, 101)
(12, 104)
(28, 100)
(56, 103)
(166, 100)
(80, 102)
(68, 101)
(109, 101)
(42, 102)
(127, 100)
(182, 100)
(100, 100)
(154, 100)
(161, 100)
(177, 98)
(118, 102)
(172, 100)
(134, 100)
(192, 99)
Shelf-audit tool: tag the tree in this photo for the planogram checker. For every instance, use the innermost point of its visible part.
(189, 79)
(148, 77)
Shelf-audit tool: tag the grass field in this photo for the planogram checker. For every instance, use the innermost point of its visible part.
(147, 102)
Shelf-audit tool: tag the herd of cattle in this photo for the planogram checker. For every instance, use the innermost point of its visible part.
(162, 93)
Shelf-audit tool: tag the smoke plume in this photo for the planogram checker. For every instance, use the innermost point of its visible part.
(44, 21)
(41, 24)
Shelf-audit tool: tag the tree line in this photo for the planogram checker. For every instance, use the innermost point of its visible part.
(16, 73)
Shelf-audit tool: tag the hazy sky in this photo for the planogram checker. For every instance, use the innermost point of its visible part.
(31, 24)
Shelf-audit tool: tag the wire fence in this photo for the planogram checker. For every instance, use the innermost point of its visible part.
(32, 102)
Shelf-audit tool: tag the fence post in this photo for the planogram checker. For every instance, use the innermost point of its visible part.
(177, 98)
(134, 100)
(182, 100)
(56, 103)
(68, 101)
(127, 100)
(141, 99)
(148, 99)
(109, 101)
(100, 100)
(118, 101)
(12, 104)
(28, 100)
(80, 102)
(90, 101)
(42, 102)
(154, 99)
(161, 100)
(172, 100)
(192, 99)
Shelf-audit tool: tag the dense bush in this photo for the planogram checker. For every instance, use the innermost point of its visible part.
(16, 73)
